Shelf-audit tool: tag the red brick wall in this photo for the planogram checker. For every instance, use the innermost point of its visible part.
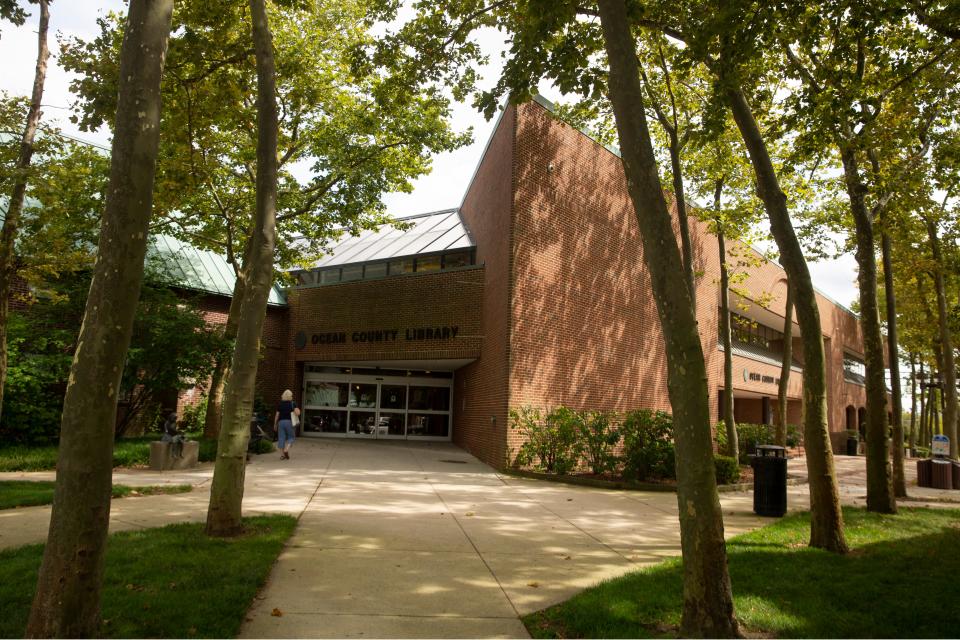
(480, 394)
(585, 331)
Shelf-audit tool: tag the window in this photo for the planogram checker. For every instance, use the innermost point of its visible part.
(750, 332)
(328, 276)
(352, 272)
(429, 263)
(457, 259)
(375, 270)
(397, 267)
(854, 370)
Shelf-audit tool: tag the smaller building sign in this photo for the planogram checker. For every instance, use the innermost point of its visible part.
(940, 445)
(752, 376)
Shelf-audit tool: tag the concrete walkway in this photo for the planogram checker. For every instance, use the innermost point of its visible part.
(402, 539)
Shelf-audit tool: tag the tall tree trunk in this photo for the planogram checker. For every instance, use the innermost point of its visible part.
(11, 220)
(226, 491)
(880, 496)
(826, 517)
(913, 404)
(949, 368)
(923, 408)
(781, 433)
(893, 351)
(221, 373)
(707, 599)
(67, 600)
(733, 442)
(686, 246)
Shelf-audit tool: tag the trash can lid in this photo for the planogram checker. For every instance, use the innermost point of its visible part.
(771, 449)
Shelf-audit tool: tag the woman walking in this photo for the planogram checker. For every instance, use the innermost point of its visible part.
(286, 417)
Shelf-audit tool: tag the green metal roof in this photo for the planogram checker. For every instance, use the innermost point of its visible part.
(197, 269)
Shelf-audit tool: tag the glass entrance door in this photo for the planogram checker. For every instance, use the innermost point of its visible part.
(375, 407)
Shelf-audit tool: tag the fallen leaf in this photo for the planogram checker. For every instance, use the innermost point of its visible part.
(276, 612)
(566, 557)
(533, 584)
(468, 513)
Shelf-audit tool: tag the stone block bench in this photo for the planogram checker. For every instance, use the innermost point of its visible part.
(162, 460)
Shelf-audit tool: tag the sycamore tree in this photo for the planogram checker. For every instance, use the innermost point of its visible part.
(590, 49)
(349, 130)
(856, 63)
(20, 173)
(67, 599)
(727, 37)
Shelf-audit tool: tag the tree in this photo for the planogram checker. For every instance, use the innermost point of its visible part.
(708, 601)
(67, 599)
(735, 55)
(226, 492)
(359, 127)
(11, 220)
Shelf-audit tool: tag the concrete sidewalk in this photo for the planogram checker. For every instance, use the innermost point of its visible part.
(407, 539)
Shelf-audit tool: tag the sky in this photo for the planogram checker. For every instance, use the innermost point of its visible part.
(443, 188)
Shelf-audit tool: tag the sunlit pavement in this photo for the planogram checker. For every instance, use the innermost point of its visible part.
(406, 539)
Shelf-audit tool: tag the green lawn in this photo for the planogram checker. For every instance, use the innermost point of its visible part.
(28, 493)
(901, 579)
(171, 582)
(128, 452)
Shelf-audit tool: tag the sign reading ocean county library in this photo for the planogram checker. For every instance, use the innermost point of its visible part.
(411, 334)
(940, 445)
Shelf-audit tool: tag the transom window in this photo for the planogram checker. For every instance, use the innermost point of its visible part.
(397, 266)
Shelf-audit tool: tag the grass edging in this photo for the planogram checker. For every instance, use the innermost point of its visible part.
(895, 582)
(166, 582)
(35, 493)
(626, 485)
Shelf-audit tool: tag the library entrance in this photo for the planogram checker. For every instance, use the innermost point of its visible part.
(373, 403)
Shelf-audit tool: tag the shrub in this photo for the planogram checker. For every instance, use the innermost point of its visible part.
(751, 435)
(598, 437)
(648, 445)
(728, 469)
(551, 441)
(262, 446)
(194, 416)
(794, 435)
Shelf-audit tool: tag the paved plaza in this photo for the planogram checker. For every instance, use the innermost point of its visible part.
(406, 539)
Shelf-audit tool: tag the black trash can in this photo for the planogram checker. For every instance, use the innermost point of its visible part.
(853, 446)
(769, 481)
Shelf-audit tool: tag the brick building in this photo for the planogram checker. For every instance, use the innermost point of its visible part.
(532, 292)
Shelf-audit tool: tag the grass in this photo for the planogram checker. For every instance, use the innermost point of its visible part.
(127, 452)
(900, 580)
(28, 493)
(170, 582)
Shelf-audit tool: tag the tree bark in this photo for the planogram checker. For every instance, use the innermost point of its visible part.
(67, 600)
(226, 492)
(684, 222)
(11, 220)
(923, 409)
(221, 373)
(707, 599)
(948, 367)
(733, 443)
(781, 432)
(880, 497)
(893, 350)
(913, 404)
(826, 518)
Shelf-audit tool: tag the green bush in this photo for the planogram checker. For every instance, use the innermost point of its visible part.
(794, 435)
(262, 446)
(598, 437)
(194, 416)
(751, 435)
(648, 445)
(728, 469)
(551, 441)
